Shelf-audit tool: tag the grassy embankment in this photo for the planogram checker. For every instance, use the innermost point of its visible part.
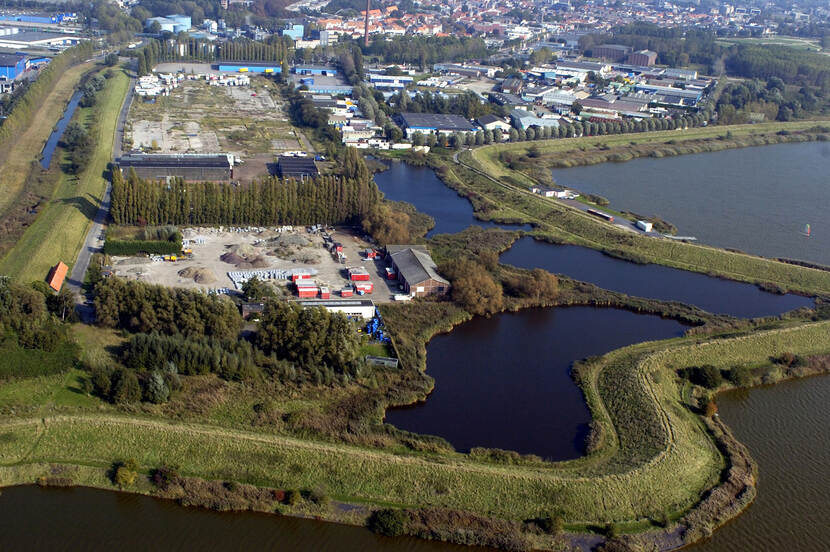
(509, 199)
(656, 456)
(60, 229)
(28, 145)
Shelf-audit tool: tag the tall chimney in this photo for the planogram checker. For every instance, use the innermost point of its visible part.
(366, 28)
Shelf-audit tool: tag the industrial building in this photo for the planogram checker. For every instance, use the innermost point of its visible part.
(315, 70)
(363, 308)
(189, 166)
(613, 52)
(249, 67)
(435, 123)
(11, 65)
(642, 57)
(175, 23)
(296, 167)
(37, 39)
(416, 270)
(44, 18)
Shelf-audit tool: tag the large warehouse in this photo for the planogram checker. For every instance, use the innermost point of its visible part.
(416, 270)
(189, 166)
(37, 39)
(11, 65)
(296, 167)
(435, 123)
(250, 67)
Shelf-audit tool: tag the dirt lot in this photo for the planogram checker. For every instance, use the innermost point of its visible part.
(217, 251)
(248, 121)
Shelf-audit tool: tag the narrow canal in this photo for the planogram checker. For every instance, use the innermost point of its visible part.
(653, 281)
(54, 138)
(422, 188)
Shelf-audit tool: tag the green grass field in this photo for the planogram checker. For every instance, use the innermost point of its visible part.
(618, 483)
(60, 229)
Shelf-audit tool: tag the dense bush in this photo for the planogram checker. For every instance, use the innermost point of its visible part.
(134, 247)
(706, 376)
(309, 338)
(140, 307)
(388, 522)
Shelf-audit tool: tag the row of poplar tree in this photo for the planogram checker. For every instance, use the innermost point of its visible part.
(156, 51)
(265, 202)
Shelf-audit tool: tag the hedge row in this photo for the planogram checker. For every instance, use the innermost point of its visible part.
(134, 247)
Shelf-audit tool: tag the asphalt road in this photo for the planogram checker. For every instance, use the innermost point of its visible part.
(94, 238)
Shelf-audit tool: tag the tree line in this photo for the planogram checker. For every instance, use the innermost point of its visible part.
(426, 51)
(738, 102)
(266, 202)
(276, 49)
(26, 106)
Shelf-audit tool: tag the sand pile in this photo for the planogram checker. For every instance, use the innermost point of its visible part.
(232, 258)
(243, 250)
(200, 275)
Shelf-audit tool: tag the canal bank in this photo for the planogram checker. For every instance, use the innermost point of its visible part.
(753, 199)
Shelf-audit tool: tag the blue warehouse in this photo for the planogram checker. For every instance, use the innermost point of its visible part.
(315, 70)
(11, 65)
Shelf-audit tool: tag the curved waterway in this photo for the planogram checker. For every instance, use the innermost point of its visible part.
(754, 199)
(653, 281)
(54, 138)
(53, 519)
(786, 429)
(421, 187)
(504, 382)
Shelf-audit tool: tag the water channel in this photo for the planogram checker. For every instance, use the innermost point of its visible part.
(421, 187)
(652, 281)
(754, 199)
(54, 138)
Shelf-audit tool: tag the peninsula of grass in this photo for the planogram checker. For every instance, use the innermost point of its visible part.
(501, 194)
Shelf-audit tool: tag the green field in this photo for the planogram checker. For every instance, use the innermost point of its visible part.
(634, 476)
(60, 229)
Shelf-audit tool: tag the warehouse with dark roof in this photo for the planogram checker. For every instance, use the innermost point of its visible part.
(435, 123)
(416, 270)
(189, 166)
(296, 167)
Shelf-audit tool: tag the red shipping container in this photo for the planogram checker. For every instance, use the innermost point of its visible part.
(390, 274)
(367, 287)
(307, 292)
(346, 292)
(295, 277)
(325, 293)
(358, 275)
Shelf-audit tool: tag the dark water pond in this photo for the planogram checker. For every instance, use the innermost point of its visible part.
(652, 281)
(786, 430)
(422, 188)
(754, 199)
(54, 138)
(503, 382)
(32, 518)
